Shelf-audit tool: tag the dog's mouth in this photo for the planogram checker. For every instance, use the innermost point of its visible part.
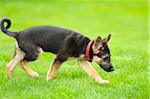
(107, 68)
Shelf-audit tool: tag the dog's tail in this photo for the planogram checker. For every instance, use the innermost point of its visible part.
(5, 28)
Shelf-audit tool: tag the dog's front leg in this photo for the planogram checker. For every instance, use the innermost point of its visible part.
(86, 66)
(61, 57)
(53, 70)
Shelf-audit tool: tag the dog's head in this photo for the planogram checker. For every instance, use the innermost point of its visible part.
(101, 53)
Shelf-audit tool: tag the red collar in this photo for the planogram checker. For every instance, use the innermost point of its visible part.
(88, 50)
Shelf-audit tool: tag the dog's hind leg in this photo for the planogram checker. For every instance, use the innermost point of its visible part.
(30, 72)
(19, 55)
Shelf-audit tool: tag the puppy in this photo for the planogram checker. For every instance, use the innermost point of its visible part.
(62, 42)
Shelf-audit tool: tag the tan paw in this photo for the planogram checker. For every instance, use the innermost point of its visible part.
(49, 78)
(34, 75)
(8, 76)
(8, 72)
(103, 81)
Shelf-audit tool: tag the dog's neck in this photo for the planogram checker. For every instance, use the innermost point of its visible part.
(87, 51)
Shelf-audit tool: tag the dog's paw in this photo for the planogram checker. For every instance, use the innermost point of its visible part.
(34, 74)
(102, 81)
(9, 76)
(8, 72)
(49, 78)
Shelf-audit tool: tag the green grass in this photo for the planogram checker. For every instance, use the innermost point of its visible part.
(125, 20)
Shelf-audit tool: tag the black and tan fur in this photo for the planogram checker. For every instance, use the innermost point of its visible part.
(62, 42)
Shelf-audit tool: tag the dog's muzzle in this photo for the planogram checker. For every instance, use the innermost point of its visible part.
(107, 67)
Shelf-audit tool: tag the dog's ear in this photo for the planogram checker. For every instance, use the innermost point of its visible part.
(105, 40)
(97, 43)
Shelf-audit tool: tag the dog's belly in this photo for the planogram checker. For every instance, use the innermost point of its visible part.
(52, 47)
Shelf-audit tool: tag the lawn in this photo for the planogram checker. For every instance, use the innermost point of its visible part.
(127, 22)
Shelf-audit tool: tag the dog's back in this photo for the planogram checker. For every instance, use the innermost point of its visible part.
(49, 38)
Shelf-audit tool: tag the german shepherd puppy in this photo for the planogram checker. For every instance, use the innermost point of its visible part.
(62, 42)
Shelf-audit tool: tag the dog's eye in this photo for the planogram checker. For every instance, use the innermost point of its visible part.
(100, 54)
(102, 48)
(106, 58)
